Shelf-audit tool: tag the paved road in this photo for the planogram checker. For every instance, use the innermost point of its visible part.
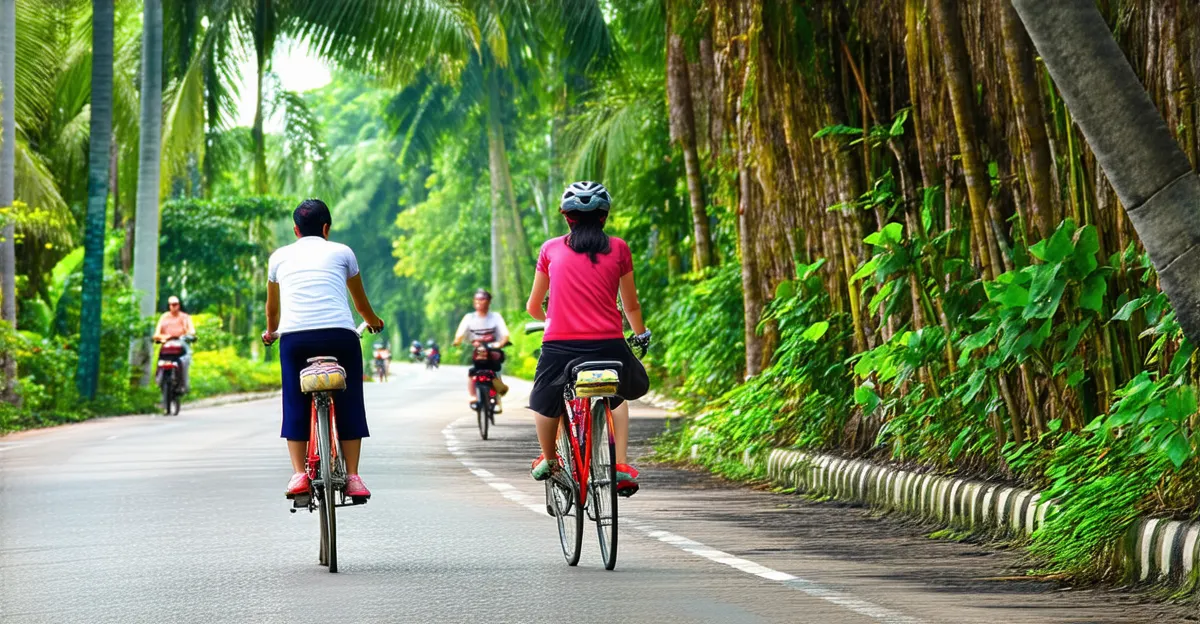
(182, 519)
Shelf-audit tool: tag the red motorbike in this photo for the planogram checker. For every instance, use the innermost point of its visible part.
(169, 374)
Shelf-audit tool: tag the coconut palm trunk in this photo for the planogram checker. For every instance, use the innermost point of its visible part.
(88, 373)
(265, 33)
(145, 268)
(1150, 173)
(509, 247)
(8, 138)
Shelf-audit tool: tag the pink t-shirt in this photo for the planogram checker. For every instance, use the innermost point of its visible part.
(583, 296)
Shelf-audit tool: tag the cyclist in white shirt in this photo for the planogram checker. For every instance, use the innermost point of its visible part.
(307, 306)
(484, 327)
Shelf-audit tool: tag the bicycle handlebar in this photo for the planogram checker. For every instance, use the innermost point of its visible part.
(641, 343)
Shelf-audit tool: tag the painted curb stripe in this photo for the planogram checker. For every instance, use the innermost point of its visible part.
(1153, 549)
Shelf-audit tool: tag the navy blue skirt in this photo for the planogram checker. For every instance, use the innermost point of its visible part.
(294, 351)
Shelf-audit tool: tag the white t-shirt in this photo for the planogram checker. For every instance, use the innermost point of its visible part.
(312, 274)
(488, 328)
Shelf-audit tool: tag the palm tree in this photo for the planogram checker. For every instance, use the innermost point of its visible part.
(388, 36)
(145, 268)
(100, 134)
(1151, 175)
(493, 75)
(8, 138)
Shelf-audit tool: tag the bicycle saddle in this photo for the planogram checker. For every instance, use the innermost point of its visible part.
(323, 375)
(595, 378)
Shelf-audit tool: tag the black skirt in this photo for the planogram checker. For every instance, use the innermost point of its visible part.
(550, 379)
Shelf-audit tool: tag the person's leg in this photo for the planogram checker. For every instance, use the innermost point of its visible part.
(297, 449)
(351, 450)
(296, 405)
(547, 433)
(185, 367)
(621, 430)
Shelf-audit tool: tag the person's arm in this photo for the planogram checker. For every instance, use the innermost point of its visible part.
(629, 301)
(269, 336)
(188, 328)
(541, 284)
(461, 332)
(502, 337)
(159, 334)
(361, 303)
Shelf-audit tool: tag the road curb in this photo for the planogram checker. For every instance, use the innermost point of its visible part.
(1152, 551)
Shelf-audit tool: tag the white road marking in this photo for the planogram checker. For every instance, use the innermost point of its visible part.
(112, 437)
(816, 590)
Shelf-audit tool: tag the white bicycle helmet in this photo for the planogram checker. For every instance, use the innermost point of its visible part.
(585, 197)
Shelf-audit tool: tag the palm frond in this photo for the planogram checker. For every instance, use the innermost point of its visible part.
(587, 40)
(604, 136)
(390, 38)
(37, 63)
(183, 131)
(42, 213)
(427, 110)
(303, 156)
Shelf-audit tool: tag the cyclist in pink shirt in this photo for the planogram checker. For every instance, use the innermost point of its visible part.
(584, 271)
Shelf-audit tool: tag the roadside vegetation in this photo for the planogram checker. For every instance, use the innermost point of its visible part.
(866, 228)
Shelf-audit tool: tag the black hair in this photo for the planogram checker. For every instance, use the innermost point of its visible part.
(484, 292)
(311, 217)
(587, 233)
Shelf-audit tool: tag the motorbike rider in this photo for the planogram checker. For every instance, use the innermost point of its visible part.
(309, 311)
(415, 350)
(177, 324)
(382, 355)
(484, 327)
(433, 351)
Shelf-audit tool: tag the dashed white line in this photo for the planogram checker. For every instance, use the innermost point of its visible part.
(810, 588)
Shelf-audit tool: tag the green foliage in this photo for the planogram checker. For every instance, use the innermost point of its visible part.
(699, 336)
(1105, 476)
(213, 252)
(47, 364)
(222, 371)
(804, 398)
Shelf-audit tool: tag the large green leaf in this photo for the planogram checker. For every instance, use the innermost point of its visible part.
(1092, 295)
(1087, 245)
(1046, 292)
(1056, 248)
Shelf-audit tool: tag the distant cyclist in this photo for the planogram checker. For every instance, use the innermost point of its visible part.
(584, 271)
(307, 308)
(487, 328)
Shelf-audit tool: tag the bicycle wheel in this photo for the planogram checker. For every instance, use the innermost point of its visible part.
(482, 409)
(603, 484)
(327, 491)
(563, 492)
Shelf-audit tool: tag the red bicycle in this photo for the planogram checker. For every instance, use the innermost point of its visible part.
(325, 465)
(586, 482)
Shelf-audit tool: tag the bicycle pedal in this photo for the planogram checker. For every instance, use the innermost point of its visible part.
(359, 500)
(301, 501)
